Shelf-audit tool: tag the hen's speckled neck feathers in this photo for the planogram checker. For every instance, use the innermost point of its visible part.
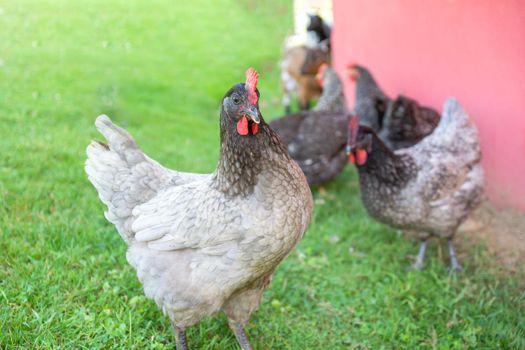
(384, 165)
(243, 158)
(366, 85)
(333, 98)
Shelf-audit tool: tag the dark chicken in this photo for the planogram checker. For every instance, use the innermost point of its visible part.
(405, 123)
(370, 101)
(399, 123)
(429, 188)
(202, 243)
(316, 139)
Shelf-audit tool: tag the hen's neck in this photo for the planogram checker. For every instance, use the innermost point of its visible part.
(385, 166)
(243, 158)
(366, 86)
(333, 97)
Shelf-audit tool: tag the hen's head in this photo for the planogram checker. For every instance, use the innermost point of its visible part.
(240, 106)
(359, 143)
(356, 72)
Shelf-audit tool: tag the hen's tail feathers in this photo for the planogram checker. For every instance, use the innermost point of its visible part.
(452, 106)
(122, 174)
(456, 133)
(454, 114)
(119, 140)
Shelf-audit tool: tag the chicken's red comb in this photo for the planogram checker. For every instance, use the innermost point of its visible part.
(251, 84)
(353, 128)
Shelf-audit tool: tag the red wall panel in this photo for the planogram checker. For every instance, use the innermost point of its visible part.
(471, 49)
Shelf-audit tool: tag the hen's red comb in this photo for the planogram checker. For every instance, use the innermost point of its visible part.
(353, 128)
(251, 84)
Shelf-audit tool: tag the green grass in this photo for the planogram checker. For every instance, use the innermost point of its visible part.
(160, 68)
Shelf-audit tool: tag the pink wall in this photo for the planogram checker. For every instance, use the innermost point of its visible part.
(471, 49)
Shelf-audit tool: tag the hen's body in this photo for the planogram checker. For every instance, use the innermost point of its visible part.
(203, 243)
(431, 187)
(319, 146)
(316, 139)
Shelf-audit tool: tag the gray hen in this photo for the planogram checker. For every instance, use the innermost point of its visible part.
(206, 243)
(429, 188)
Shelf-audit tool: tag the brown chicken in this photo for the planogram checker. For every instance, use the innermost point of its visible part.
(202, 243)
(429, 188)
(294, 83)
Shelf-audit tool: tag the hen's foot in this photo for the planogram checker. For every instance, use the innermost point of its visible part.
(241, 336)
(415, 267)
(420, 259)
(455, 266)
(180, 338)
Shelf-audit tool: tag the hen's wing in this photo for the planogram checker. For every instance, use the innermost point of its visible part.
(321, 133)
(323, 168)
(124, 176)
(192, 216)
(319, 147)
(287, 126)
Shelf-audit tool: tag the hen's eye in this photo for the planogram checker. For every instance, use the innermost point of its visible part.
(236, 100)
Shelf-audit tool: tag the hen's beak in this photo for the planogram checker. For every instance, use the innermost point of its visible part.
(252, 113)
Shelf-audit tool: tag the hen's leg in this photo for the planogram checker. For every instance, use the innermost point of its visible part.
(240, 334)
(455, 266)
(180, 338)
(241, 305)
(420, 259)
